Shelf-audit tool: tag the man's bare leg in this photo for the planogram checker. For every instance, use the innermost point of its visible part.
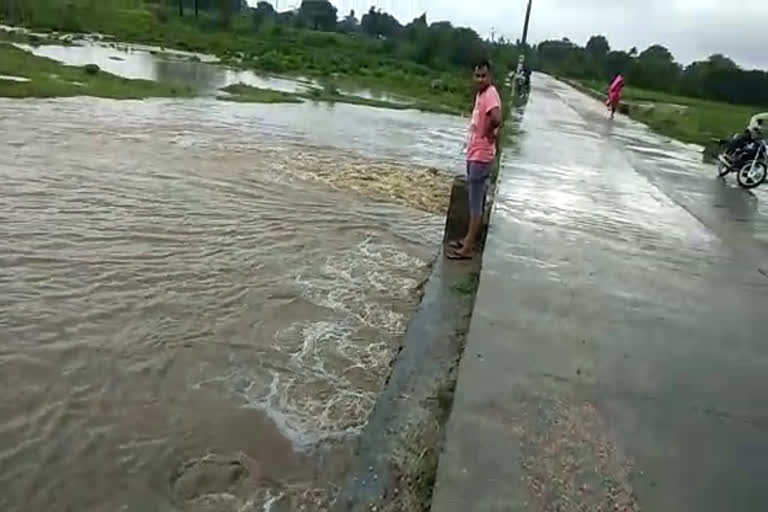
(477, 177)
(468, 242)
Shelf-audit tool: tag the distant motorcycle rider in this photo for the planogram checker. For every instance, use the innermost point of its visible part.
(756, 129)
(527, 78)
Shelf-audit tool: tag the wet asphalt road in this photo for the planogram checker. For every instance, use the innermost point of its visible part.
(618, 352)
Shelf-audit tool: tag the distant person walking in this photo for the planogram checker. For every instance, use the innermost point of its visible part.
(614, 94)
(481, 152)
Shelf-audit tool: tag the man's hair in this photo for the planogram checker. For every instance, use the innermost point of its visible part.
(483, 63)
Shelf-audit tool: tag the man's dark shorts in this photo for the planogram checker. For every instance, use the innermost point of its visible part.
(477, 181)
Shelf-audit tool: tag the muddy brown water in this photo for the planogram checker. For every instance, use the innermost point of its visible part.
(189, 321)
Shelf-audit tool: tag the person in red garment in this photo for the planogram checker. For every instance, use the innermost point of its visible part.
(481, 152)
(614, 94)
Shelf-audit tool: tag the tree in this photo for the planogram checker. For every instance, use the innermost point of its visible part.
(377, 23)
(719, 62)
(467, 48)
(318, 14)
(349, 24)
(658, 53)
(263, 13)
(210, 5)
(618, 62)
(416, 29)
(717, 77)
(655, 68)
(225, 10)
(598, 47)
(566, 58)
(181, 8)
(17, 11)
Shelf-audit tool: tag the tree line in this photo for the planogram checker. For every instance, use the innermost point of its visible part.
(438, 45)
(715, 78)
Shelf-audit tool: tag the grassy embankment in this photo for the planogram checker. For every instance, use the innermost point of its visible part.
(344, 60)
(687, 119)
(243, 93)
(46, 78)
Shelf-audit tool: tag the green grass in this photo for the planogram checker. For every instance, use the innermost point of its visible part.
(466, 285)
(48, 78)
(34, 40)
(247, 94)
(347, 59)
(328, 94)
(330, 97)
(687, 119)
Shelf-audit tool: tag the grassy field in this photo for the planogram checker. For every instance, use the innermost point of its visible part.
(47, 78)
(247, 94)
(683, 118)
(346, 59)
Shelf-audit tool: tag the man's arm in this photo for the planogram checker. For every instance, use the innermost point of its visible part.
(494, 121)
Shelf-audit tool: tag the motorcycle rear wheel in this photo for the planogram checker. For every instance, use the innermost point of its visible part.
(722, 169)
(751, 176)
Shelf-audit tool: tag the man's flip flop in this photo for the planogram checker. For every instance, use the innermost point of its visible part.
(456, 244)
(452, 255)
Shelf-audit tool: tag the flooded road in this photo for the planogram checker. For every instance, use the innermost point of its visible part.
(619, 339)
(735, 215)
(189, 321)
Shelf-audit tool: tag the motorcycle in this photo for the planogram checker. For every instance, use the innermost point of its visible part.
(748, 160)
(753, 174)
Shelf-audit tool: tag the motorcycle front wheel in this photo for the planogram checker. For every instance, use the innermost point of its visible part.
(753, 174)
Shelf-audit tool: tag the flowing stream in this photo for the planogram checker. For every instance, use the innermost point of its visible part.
(189, 320)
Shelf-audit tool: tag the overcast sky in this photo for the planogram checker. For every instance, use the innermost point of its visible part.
(692, 29)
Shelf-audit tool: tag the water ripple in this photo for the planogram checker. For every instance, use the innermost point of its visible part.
(173, 286)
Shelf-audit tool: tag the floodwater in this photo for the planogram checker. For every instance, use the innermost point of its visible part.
(198, 71)
(148, 63)
(190, 321)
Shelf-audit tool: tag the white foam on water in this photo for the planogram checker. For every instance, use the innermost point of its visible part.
(270, 501)
(335, 365)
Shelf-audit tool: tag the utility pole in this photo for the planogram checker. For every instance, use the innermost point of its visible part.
(520, 76)
(527, 21)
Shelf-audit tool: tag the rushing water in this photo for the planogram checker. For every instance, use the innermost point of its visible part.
(187, 322)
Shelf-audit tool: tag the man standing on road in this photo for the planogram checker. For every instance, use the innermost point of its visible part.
(481, 152)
